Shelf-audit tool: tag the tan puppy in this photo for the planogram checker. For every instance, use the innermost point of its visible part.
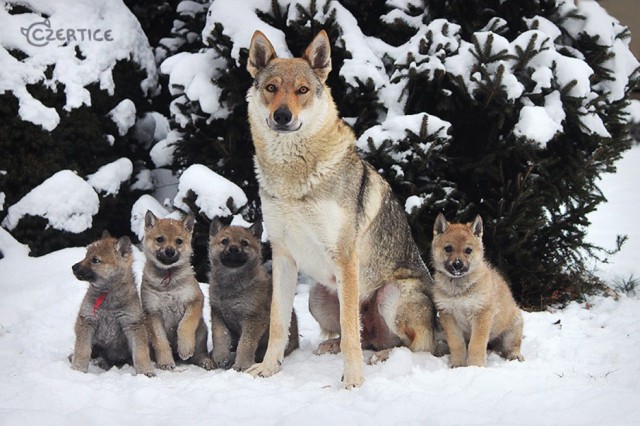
(474, 301)
(171, 297)
(110, 326)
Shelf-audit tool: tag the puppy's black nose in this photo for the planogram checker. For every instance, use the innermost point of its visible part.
(169, 252)
(457, 264)
(75, 267)
(234, 249)
(282, 116)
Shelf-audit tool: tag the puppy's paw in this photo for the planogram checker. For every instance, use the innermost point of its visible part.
(186, 347)
(222, 359)
(352, 380)
(515, 357)
(206, 363)
(331, 346)
(147, 371)
(169, 366)
(81, 366)
(264, 369)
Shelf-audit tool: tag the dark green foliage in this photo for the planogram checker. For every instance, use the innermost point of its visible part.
(78, 143)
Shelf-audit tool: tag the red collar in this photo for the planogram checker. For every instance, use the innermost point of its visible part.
(167, 279)
(98, 303)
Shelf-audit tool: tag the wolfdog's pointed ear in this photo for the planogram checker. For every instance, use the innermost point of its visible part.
(256, 229)
(476, 227)
(150, 220)
(440, 225)
(123, 246)
(318, 54)
(216, 226)
(261, 52)
(105, 234)
(188, 222)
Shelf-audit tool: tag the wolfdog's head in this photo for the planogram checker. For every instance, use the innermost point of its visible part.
(288, 95)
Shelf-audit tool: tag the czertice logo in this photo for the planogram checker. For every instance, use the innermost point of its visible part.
(40, 34)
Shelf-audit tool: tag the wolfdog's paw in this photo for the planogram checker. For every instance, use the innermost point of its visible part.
(263, 369)
(186, 347)
(242, 366)
(206, 363)
(331, 346)
(379, 357)
(80, 366)
(147, 371)
(352, 380)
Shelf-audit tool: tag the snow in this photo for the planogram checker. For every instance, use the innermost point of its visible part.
(139, 210)
(215, 194)
(124, 115)
(582, 365)
(66, 200)
(110, 32)
(536, 125)
(110, 176)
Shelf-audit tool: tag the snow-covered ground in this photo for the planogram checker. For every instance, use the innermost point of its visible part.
(582, 363)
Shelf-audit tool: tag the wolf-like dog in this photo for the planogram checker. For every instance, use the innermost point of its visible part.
(110, 327)
(330, 215)
(171, 296)
(474, 301)
(240, 297)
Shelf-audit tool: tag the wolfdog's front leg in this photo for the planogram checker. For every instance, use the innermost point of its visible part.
(285, 275)
(349, 295)
(139, 344)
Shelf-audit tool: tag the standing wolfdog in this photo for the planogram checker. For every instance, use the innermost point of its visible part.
(330, 215)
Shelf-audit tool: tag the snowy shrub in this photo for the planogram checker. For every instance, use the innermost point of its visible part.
(508, 109)
(73, 77)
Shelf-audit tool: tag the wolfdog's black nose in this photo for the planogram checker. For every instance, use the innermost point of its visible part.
(282, 116)
(75, 267)
(169, 252)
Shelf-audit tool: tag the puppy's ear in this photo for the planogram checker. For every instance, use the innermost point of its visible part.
(476, 227)
(123, 246)
(188, 222)
(261, 52)
(105, 234)
(318, 54)
(256, 229)
(440, 226)
(150, 220)
(216, 226)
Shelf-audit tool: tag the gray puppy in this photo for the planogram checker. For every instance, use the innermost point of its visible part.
(110, 324)
(240, 295)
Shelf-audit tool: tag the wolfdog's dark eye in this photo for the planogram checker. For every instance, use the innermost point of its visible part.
(302, 90)
(179, 241)
(468, 250)
(271, 88)
(160, 240)
(448, 249)
(244, 243)
(224, 241)
(94, 259)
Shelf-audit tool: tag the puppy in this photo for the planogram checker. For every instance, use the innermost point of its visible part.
(110, 326)
(171, 297)
(240, 295)
(474, 301)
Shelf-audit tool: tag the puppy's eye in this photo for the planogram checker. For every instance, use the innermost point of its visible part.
(303, 89)
(468, 250)
(159, 240)
(244, 243)
(224, 241)
(179, 241)
(448, 249)
(271, 88)
(95, 260)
